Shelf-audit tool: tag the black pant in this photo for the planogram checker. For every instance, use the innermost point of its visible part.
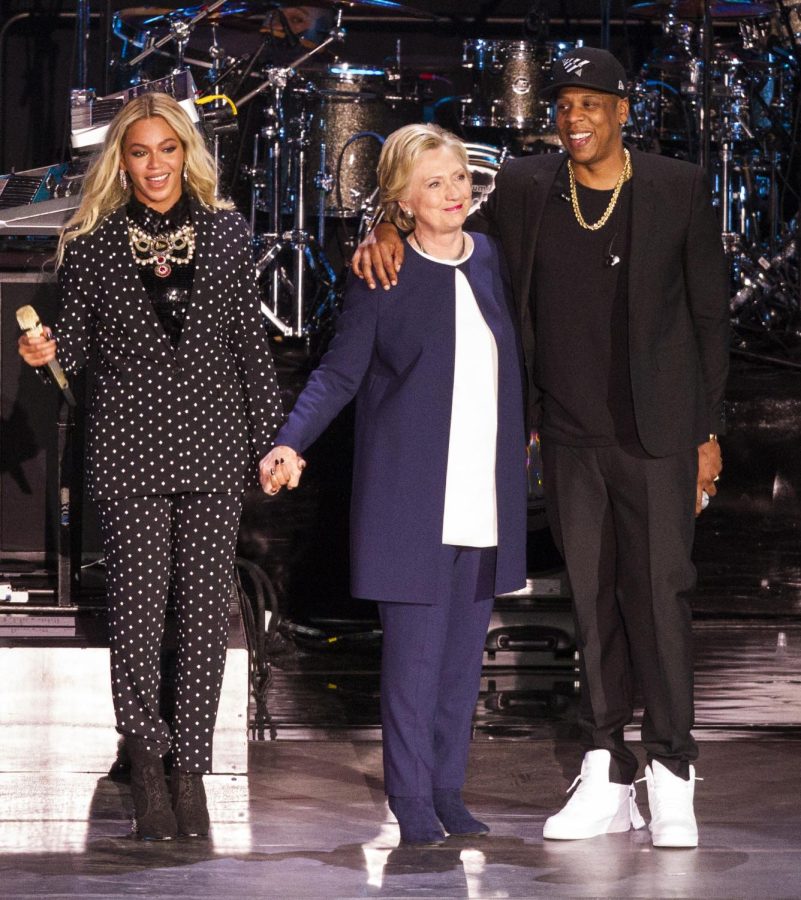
(183, 546)
(625, 526)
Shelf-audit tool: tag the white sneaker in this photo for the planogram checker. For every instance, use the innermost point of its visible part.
(598, 806)
(671, 801)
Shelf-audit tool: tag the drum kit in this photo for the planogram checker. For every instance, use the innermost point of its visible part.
(316, 121)
(746, 112)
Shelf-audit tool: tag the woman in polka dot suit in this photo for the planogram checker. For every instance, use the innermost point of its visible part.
(156, 278)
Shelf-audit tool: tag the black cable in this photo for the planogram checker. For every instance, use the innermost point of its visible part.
(256, 636)
(354, 137)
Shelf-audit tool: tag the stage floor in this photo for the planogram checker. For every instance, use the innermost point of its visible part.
(310, 820)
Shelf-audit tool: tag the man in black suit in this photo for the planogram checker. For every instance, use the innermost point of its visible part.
(621, 283)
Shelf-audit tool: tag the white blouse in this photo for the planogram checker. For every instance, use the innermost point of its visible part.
(471, 510)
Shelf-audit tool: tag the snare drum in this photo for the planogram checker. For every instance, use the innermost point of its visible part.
(353, 114)
(507, 79)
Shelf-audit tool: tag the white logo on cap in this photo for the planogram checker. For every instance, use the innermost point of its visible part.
(621, 86)
(574, 64)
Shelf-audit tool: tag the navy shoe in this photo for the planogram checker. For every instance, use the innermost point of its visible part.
(418, 822)
(454, 815)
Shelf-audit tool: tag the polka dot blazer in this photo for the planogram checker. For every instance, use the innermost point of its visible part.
(165, 421)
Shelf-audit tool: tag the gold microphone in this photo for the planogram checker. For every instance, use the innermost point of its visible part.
(29, 322)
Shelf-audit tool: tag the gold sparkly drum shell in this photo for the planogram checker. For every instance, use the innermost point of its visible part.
(351, 101)
(507, 79)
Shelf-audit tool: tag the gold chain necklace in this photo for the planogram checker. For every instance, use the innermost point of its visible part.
(574, 201)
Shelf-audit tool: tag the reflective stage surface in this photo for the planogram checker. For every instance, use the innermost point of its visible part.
(310, 821)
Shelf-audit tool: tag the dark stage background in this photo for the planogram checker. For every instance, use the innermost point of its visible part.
(37, 62)
(302, 538)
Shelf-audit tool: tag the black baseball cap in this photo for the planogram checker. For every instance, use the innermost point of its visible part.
(588, 67)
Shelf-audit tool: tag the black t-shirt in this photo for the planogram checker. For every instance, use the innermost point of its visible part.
(581, 317)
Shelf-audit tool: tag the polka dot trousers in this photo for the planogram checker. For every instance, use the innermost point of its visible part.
(179, 545)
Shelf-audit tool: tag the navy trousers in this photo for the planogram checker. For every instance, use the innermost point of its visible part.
(430, 676)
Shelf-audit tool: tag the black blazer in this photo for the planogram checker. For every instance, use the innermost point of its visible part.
(678, 290)
(166, 421)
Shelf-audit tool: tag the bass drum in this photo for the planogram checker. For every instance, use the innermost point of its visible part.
(483, 161)
(353, 113)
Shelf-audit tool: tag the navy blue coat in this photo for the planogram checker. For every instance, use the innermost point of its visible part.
(394, 350)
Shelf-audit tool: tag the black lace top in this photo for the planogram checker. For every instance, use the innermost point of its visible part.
(169, 293)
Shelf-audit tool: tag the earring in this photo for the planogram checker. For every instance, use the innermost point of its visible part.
(123, 180)
(186, 171)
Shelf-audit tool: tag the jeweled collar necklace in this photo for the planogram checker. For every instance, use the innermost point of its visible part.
(161, 239)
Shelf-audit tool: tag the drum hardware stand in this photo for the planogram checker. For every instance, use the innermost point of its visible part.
(606, 16)
(324, 182)
(306, 253)
(298, 237)
(82, 25)
(217, 54)
(273, 135)
(372, 215)
(704, 124)
(337, 35)
(179, 34)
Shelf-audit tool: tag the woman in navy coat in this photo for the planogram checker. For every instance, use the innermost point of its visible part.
(439, 496)
(156, 279)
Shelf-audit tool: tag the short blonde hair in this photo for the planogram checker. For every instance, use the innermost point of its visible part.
(398, 158)
(102, 191)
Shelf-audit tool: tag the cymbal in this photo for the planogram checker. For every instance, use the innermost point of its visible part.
(694, 9)
(141, 20)
(265, 7)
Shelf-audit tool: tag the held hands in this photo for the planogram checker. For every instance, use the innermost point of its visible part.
(37, 350)
(282, 466)
(710, 465)
(379, 256)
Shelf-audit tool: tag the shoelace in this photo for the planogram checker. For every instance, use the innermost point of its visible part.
(644, 778)
(667, 802)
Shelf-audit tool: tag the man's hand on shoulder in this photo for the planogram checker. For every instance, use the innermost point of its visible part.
(379, 256)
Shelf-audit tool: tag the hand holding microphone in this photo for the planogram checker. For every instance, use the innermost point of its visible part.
(37, 348)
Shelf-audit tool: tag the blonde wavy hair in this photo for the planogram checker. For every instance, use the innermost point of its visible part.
(398, 158)
(102, 191)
